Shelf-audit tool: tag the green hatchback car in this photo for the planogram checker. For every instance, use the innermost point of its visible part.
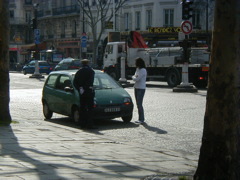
(111, 100)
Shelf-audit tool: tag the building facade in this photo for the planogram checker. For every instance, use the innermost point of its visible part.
(61, 27)
(20, 12)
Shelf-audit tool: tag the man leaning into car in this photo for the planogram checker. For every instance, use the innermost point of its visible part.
(83, 81)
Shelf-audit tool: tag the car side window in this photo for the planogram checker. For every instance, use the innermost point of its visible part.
(51, 81)
(96, 83)
(63, 81)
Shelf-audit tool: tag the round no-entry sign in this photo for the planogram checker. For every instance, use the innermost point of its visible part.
(186, 27)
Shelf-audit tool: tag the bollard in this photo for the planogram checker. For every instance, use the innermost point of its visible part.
(185, 86)
(122, 79)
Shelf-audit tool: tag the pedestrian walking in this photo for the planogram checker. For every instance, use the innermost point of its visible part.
(139, 78)
(83, 81)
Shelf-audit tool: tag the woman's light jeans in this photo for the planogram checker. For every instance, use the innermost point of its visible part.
(139, 94)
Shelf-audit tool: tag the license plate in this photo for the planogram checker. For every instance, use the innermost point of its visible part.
(112, 109)
(45, 67)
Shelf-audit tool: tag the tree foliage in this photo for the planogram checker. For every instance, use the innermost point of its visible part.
(96, 14)
(5, 118)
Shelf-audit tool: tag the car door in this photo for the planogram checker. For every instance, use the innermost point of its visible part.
(49, 94)
(30, 67)
(64, 99)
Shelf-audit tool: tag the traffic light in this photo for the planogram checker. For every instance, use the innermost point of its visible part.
(185, 44)
(187, 9)
(34, 23)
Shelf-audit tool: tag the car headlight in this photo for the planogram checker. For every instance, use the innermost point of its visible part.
(127, 101)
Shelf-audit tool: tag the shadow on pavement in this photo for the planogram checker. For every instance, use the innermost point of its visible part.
(154, 129)
(101, 125)
(11, 148)
(30, 161)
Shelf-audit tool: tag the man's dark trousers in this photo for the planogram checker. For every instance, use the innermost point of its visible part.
(86, 107)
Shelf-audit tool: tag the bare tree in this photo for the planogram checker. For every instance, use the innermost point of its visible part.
(98, 13)
(220, 151)
(5, 118)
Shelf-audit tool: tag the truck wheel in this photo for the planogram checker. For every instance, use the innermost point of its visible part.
(173, 78)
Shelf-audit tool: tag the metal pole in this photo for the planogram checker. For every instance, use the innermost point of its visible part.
(83, 28)
(36, 73)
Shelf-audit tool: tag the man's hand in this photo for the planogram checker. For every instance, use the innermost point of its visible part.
(81, 90)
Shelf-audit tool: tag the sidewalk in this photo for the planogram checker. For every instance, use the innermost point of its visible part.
(45, 151)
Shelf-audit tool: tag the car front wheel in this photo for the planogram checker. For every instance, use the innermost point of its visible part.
(24, 72)
(127, 119)
(46, 111)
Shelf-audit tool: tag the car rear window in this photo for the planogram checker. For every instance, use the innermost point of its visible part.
(76, 62)
(43, 64)
(51, 80)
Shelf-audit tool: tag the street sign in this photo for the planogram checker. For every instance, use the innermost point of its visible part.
(186, 27)
(37, 36)
(84, 40)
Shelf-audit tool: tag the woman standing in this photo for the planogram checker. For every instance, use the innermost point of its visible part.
(139, 87)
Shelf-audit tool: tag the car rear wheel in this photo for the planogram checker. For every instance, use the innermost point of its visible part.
(75, 115)
(127, 119)
(46, 111)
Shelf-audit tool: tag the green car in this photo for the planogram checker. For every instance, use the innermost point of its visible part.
(60, 96)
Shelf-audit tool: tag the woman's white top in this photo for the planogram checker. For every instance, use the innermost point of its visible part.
(140, 77)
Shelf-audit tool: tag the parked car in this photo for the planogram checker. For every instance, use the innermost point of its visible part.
(44, 67)
(68, 63)
(60, 96)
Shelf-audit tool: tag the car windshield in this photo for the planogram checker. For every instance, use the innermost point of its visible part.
(104, 81)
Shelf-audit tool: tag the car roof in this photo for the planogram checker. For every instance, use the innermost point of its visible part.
(72, 72)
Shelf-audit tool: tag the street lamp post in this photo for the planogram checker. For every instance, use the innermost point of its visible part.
(83, 48)
(36, 33)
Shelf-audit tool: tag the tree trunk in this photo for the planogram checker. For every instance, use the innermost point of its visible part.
(5, 117)
(220, 150)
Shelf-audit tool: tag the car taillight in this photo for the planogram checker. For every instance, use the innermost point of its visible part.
(201, 78)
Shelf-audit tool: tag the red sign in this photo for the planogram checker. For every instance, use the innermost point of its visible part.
(186, 27)
(13, 49)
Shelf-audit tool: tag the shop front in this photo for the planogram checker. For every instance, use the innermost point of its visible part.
(69, 48)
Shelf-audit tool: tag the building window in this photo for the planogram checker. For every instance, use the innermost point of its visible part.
(11, 14)
(168, 17)
(149, 18)
(29, 2)
(137, 20)
(196, 19)
(74, 29)
(28, 16)
(63, 30)
(126, 21)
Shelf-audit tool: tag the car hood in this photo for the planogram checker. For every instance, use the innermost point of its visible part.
(112, 96)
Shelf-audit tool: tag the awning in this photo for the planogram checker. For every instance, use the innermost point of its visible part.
(33, 47)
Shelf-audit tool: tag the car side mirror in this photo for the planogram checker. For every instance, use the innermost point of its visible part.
(68, 89)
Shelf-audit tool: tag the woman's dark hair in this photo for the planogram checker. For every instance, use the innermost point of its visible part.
(140, 63)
